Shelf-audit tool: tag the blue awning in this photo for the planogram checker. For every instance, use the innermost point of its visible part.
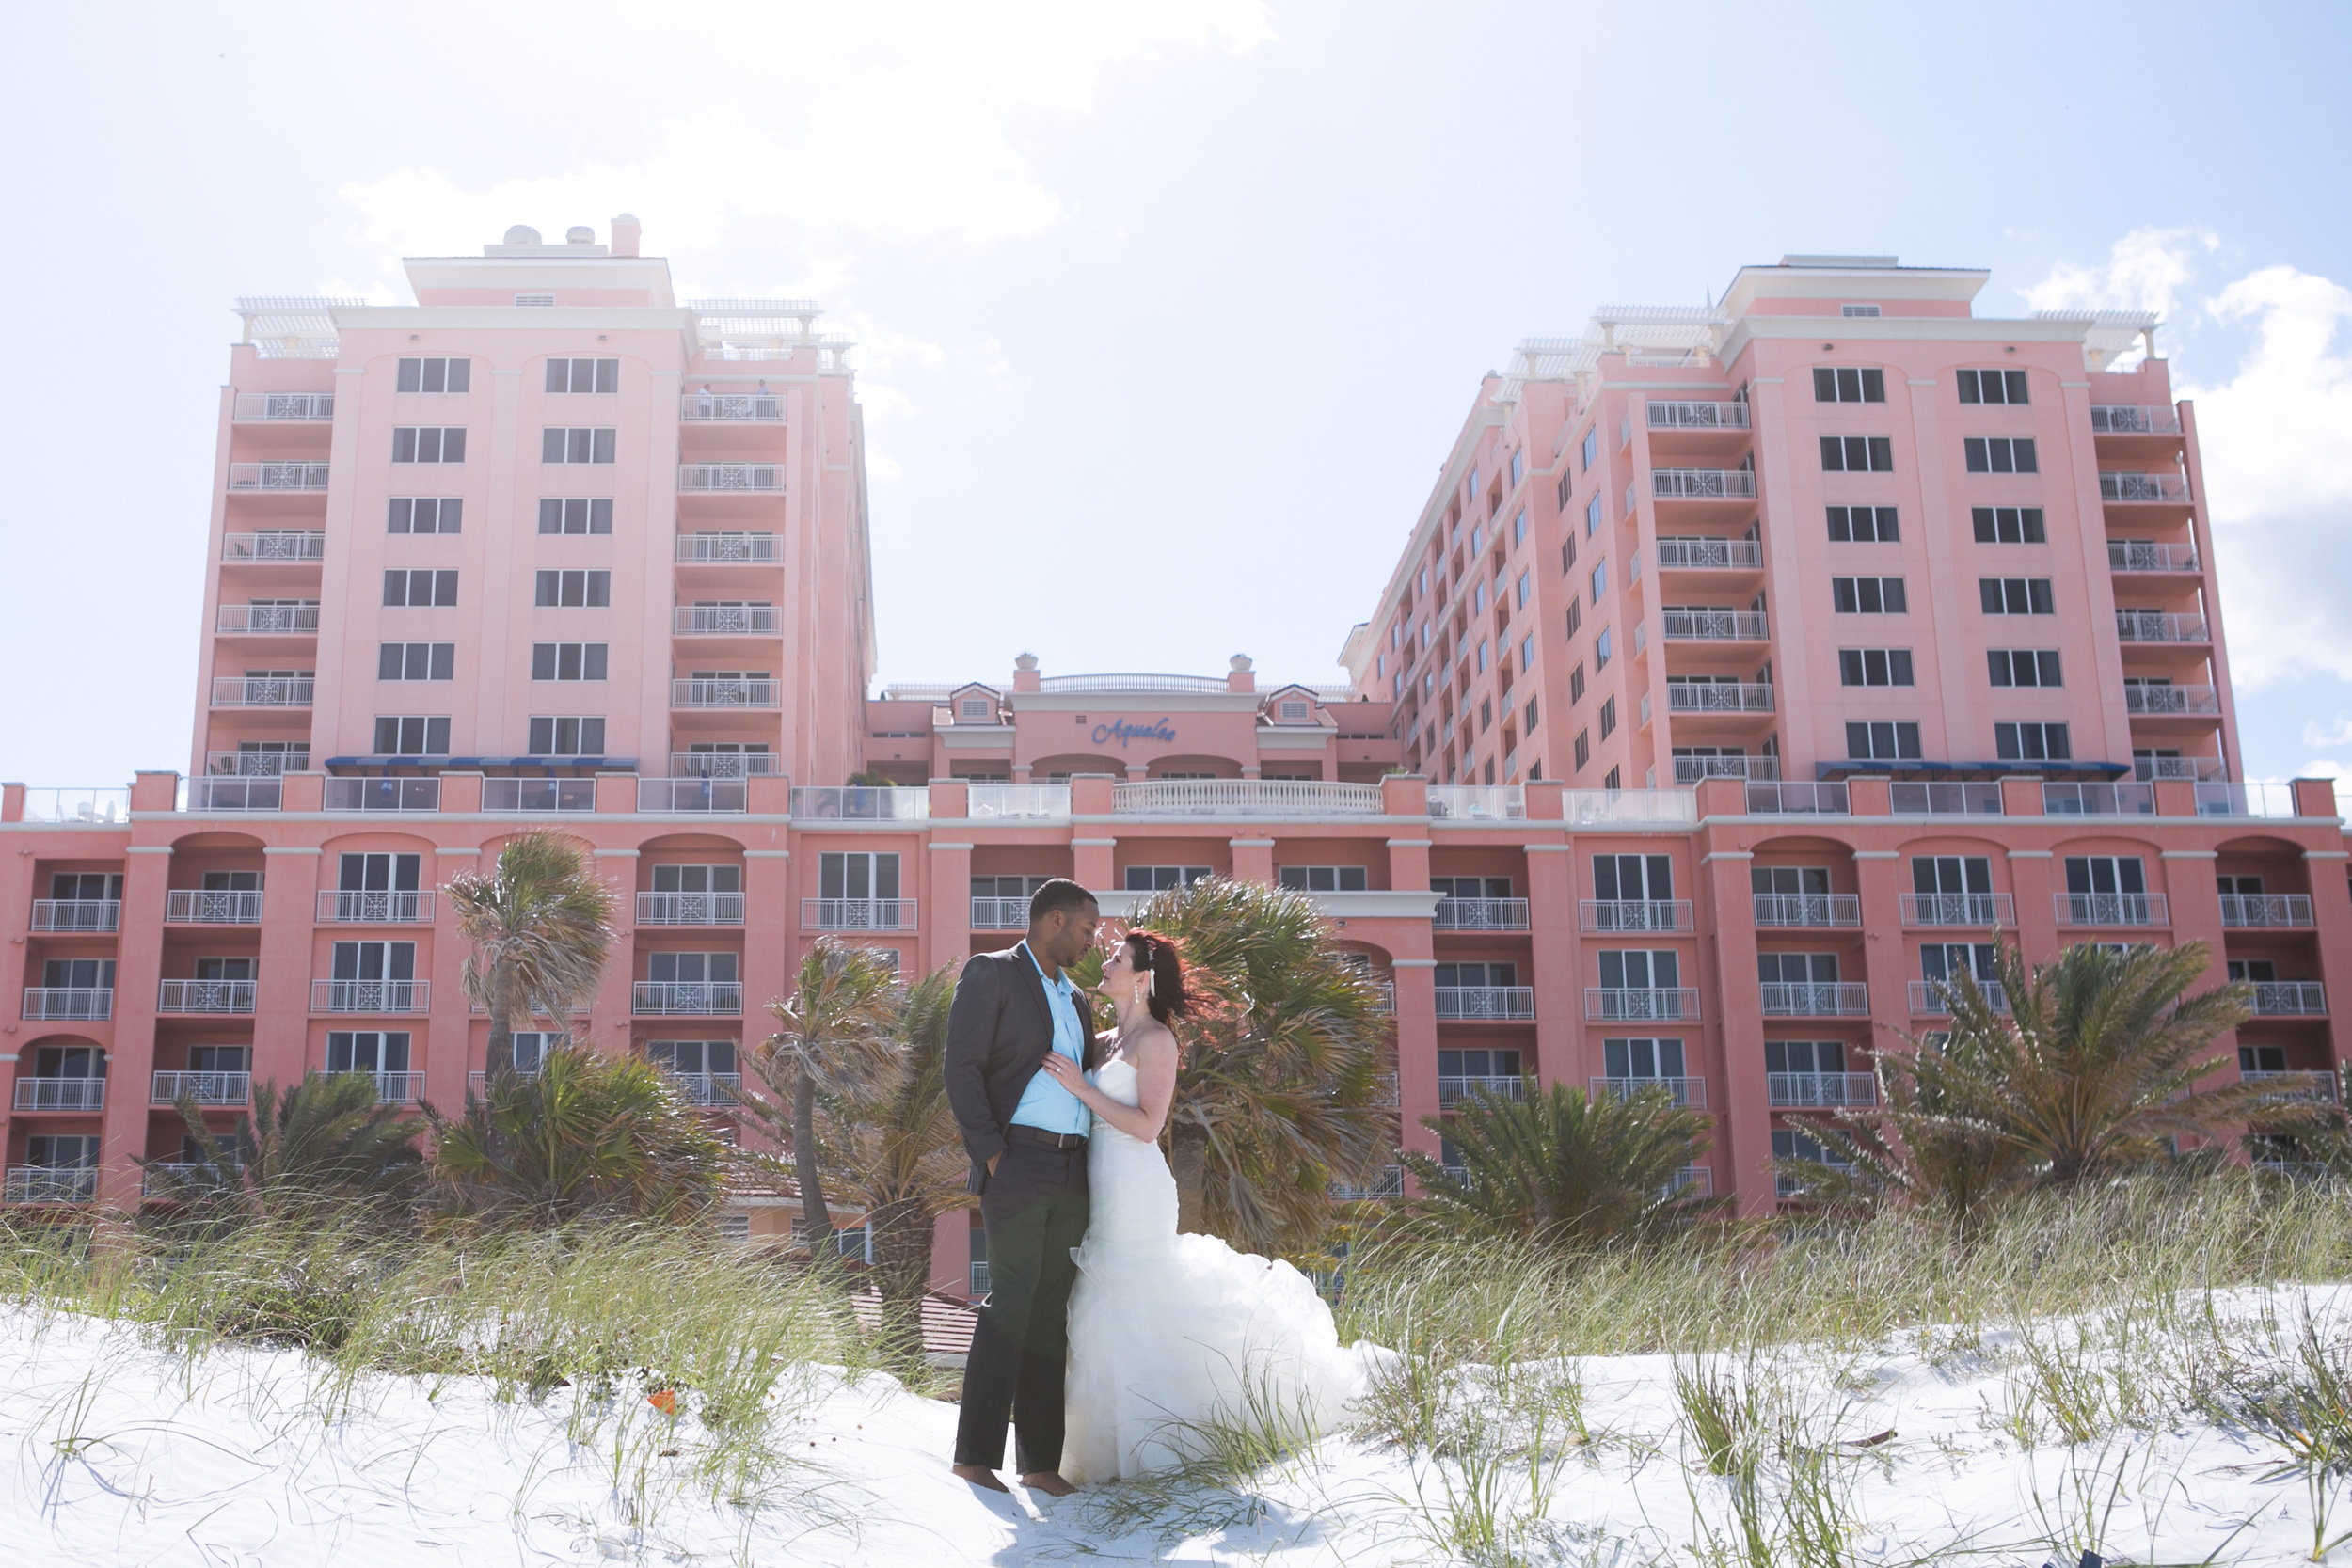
(1909, 765)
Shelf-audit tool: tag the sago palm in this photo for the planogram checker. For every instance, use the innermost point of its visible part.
(834, 1034)
(540, 927)
(319, 1141)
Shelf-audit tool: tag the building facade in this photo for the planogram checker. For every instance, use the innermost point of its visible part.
(1749, 672)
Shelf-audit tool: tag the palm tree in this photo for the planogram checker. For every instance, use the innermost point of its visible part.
(1286, 1081)
(833, 1035)
(588, 1134)
(540, 924)
(1564, 1169)
(325, 1139)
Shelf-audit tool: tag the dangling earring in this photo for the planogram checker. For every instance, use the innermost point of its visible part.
(1135, 995)
(1151, 982)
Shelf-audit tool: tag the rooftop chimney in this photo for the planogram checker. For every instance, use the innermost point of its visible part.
(625, 235)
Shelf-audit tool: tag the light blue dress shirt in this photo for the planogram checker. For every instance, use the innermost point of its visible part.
(1045, 1104)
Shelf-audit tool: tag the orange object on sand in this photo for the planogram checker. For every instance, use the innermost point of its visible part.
(664, 1399)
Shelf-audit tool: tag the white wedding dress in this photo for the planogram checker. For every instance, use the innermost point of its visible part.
(1170, 1331)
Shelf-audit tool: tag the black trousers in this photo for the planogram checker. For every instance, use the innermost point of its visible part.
(1034, 1211)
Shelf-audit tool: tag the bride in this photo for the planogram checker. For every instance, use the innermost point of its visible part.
(1170, 1332)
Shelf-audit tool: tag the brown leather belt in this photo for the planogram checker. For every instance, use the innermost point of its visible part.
(1064, 1141)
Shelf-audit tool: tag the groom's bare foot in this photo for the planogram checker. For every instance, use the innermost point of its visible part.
(979, 1476)
(1047, 1481)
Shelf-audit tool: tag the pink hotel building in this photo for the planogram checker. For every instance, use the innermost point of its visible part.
(1748, 671)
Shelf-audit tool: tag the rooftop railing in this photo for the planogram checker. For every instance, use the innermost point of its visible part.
(1719, 696)
(371, 996)
(1692, 771)
(2144, 488)
(1799, 798)
(730, 408)
(205, 1088)
(1479, 915)
(1808, 910)
(1934, 998)
(538, 795)
(2220, 798)
(1629, 1004)
(376, 906)
(204, 996)
(1017, 801)
(274, 544)
(60, 1094)
(77, 1003)
(2290, 999)
(1686, 1093)
(1132, 681)
(49, 1184)
(689, 908)
(1814, 998)
(2158, 701)
(381, 794)
(190, 906)
(2147, 625)
(281, 476)
(1591, 808)
(78, 914)
(268, 620)
(2123, 419)
(1702, 485)
(669, 795)
(263, 690)
(1486, 1002)
(1710, 555)
(1477, 803)
(1980, 911)
(861, 803)
(2098, 799)
(724, 693)
(766, 479)
(1244, 797)
(2139, 555)
(2265, 910)
(2112, 909)
(727, 620)
(686, 998)
(1669, 414)
(1912, 798)
(77, 807)
(728, 549)
(857, 914)
(250, 794)
(726, 765)
(1715, 625)
(296, 407)
(1797, 1090)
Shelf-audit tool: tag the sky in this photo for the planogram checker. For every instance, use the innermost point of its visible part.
(1168, 312)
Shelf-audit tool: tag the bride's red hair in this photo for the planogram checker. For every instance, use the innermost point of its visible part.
(1157, 957)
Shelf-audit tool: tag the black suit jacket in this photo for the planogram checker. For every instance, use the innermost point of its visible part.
(999, 1029)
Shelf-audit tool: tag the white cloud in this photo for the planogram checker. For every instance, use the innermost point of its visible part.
(2278, 435)
(2146, 270)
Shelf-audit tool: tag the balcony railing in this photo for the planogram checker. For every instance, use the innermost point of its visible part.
(2123, 419)
(1486, 1001)
(376, 907)
(1814, 998)
(1686, 1093)
(1000, 914)
(686, 998)
(255, 765)
(2147, 625)
(76, 1003)
(1691, 1180)
(692, 795)
(1244, 797)
(1631, 1004)
(1477, 803)
(1716, 625)
(188, 905)
(1906, 798)
(1633, 915)
(1784, 1090)
(1702, 485)
(1668, 415)
(1799, 798)
(204, 996)
(306, 477)
(538, 795)
(726, 765)
(1692, 771)
(689, 908)
(2253, 910)
(1390, 1182)
(1786, 1187)
(724, 693)
(205, 1088)
(272, 545)
(2135, 555)
(730, 408)
(2110, 909)
(2144, 488)
(391, 1088)
(60, 1094)
(1024, 801)
(1594, 808)
(256, 793)
(50, 1184)
(1453, 1090)
(1479, 915)
(1933, 998)
(2160, 700)
(298, 407)
(2199, 769)
(269, 620)
(1809, 909)
(78, 914)
(2290, 999)
(857, 914)
(262, 691)
(729, 549)
(727, 620)
(2098, 799)
(1977, 910)
(766, 479)
(171, 1179)
(709, 1088)
(371, 996)
(1719, 696)
(383, 793)
(1710, 555)
(859, 803)
(2293, 1085)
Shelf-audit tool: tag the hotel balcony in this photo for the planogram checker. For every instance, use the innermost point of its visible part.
(2138, 555)
(664, 797)
(1628, 1005)
(1486, 1002)
(50, 1184)
(308, 478)
(1803, 1090)
(1039, 802)
(730, 408)
(1811, 911)
(188, 905)
(1798, 798)
(726, 765)
(268, 620)
(686, 998)
(2146, 626)
(2248, 911)
(2167, 488)
(2293, 1085)
(78, 914)
(891, 916)
(75, 1004)
(204, 996)
(2289, 999)
(1725, 697)
(247, 794)
(728, 549)
(1710, 555)
(256, 765)
(376, 906)
(1453, 1090)
(61, 1094)
(537, 795)
(1980, 911)
(83, 807)
(371, 996)
(1668, 415)
(1687, 1093)
(730, 478)
(1479, 915)
(2112, 909)
(2097, 799)
(174, 1179)
(2197, 769)
(1245, 798)
(1000, 914)
(724, 693)
(1690, 770)
(1928, 998)
(1716, 625)
(391, 1088)
(1913, 798)
(741, 620)
(287, 407)
(274, 547)
(1390, 1182)
(1470, 803)
(263, 691)
(2112, 419)
(1692, 1180)
(1814, 998)
(1702, 485)
(2161, 702)
(1629, 914)
(383, 793)
(861, 803)
(724, 1089)
(204, 1089)
(692, 908)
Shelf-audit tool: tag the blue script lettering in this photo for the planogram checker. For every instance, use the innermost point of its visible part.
(1123, 731)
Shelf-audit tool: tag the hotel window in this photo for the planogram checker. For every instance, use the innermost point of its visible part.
(1519, 526)
(1938, 876)
(1857, 455)
(567, 661)
(1611, 780)
(411, 735)
(2031, 743)
(1858, 311)
(1560, 491)
(1527, 653)
(1567, 555)
(534, 299)
(1592, 515)
(2000, 454)
(1296, 710)
(416, 661)
(365, 1049)
(1883, 741)
(1607, 718)
(566, 738)
(1638, 1061)
(1526, 587)
(583, 375)
(1643, 968)
(1518, 466)
(1993, 386)
(577, 444)
(429, 444)
(1159, 878)
(434, 375)
(1486, 714)
(1600, 650)
(1576, 683)
(1874, 666)
(559, 514)
(2007, 525)
(1482, 656)
(568, 589)
(2016, 597)
(2024, 666)
(1592, 448)
(1321, 879)
(1863, 524)
(1530, 716)
(2106, 874)
(374, 961)
(1584, 747)
(1868, 596)
(1478, 599)
(1575, 616)
(1600, 581)
(1633, 879)
(421, 588)
(424, 514)
(1848, 386)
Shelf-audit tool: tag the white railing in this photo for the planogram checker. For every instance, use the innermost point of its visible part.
(204, 996)
(1933, 998)
(371, 996)
(857, 914)
(1702, 485)
(78, 1003)
(2123, 419)
(212, 907)
(1383, 998)
(1696, 1181)
(296, 407)
(77, 807)
(383, 793)
(255, 765)
(538, 795)
(308, 477)
(1814, 998)
(78, 914)
(269, 620)
(258, 793)
(766, 479)
(1911, 798)
(1809, 909)
(1690, 770)
(726, 765)
(1710, 555)
(169, 1178)
(2256, 909)
(60, 1094)
(2285, 1086)
(1000, 914)
(263, 691)
(861, 803)
(2098, 799)
(2110, 909)
(692, 998)
(2149, 626)
(689, 908)
(2135, 555)
(1820, 1088)
(2290, 999)
(1980, 911)
(1719, 696)
(274, 544)
(1669, 414)
(2142, 487)
(723, 693)
(2219, 798)
(728, 549)
(1039, 801)
(1625, 1004)
(1633, 914)
(731, 408)
(1244, 797)
(205, 1088)
(2199, 769)
(1593, 808)
(50, 1184)
(391, 1088)
(1453, 1090)
(1130, 681)
(1476, 803)
(1389, 1183)
(2146, 699)
(727, 620)
(709, 1088)
(1486, 1001)
(667, 796)
(1786, 1187)
(1715, 625)
(1799, 798)
(379, 907)
(1686, 1093)
(1479, 915)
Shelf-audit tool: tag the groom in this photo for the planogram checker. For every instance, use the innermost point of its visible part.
(1028, 1138)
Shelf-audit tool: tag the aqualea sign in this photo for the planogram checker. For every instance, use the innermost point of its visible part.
(1123, 731)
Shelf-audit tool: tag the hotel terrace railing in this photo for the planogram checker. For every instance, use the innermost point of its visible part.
(247, 794)
(1716, 625)
(1023, 801)
(857, 914)
(1587, 808)
(383, 793)
(371, 996)
(1627, 1004)
(2098, 799)
(2201, 769)
(204, 996)
(205, 1088)
(1702, 485)
(1908, 798)
(301, 407)
(1809, 909)
(1453, 1089)
(2290, 999)
(860, 803)
(1980, 911)
(1132, 681)
(727, 620)
(1477, 803)
(269, 620)
(2139, 555)
(730, 408)
(1933, 998)
(726, 765)
(1801, 1089)
(1697, 1180)
(263, 691)
(1383, 998)
(376, 907)
(2146, 699)
(765, 479)
(1244, 797)
(2149, 626)
(1479, 915)
(256, 765)
(1000, 914)
(2293, 1085)
(690, 909)
(171, 1179)
(50, 1184)
(1686, 1093)
(1799, 798)
(189, 906)
(274, 544)
(2144, 488)
(538, 795)
(1486, 1001)
(87, 914)
(306, 477)
(2219, 798)
(686, 998)
(391, 1088)
(74, 1003)
(727, 548)
(672, 795)
(2254, 911)
(1814, 998)
(2110, 909)
(1692, 771)
(78, 807)
(60, 1094)
(724, 693)
(1787, 1187)
(2123, 419)
(1668, 415)
(1709, 555)
(1633, 915)
(1718, 696)
(1390, 1182)
(709, 1088)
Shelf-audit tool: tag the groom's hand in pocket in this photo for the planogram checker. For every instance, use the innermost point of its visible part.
(992, 1162)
